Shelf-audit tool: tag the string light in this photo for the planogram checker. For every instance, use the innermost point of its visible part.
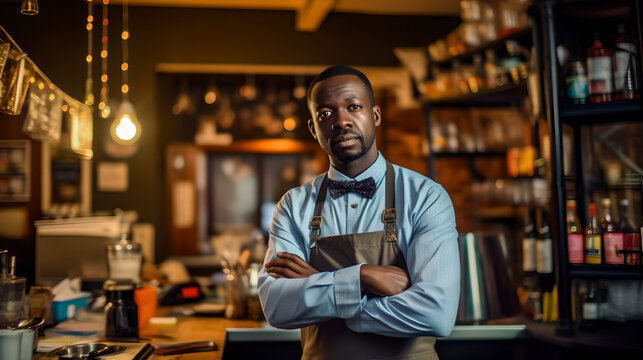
(125, 130)
(89, 82)
(104, 88)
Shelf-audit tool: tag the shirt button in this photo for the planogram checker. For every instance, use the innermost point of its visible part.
(353, 206)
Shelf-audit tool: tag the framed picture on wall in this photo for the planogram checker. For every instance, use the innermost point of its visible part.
(14, 170)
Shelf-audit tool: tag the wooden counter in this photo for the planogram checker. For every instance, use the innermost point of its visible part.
(193, 329)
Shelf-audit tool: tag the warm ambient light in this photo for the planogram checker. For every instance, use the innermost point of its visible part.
(290, 123)
(210, 97)
(125, 130)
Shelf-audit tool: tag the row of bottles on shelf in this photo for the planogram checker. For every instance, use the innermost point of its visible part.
(482, 22)
(603, 241)
(605, 74)
(483, 73)
(476, 130)
(597, 300)
(540, 293)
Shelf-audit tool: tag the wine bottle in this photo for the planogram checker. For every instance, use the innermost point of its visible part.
(600, 72)
(612, 240)
(631, 237)
(593, 238)
(574, 235)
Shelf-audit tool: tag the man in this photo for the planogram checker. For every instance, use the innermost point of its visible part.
(363, 258)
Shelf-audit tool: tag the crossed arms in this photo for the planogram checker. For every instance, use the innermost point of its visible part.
(377, 279)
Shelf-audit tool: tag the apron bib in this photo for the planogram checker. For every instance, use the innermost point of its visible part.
(333, 340)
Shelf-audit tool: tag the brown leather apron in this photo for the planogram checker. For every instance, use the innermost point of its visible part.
(333, 340)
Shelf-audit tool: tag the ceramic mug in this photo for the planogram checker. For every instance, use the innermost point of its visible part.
(27, 343)
(10, 344)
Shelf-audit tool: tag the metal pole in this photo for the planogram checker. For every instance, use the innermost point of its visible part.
(558, 177)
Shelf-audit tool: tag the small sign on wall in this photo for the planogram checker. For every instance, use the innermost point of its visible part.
(112, 176)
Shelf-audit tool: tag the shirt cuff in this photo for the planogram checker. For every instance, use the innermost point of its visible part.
(348, 298)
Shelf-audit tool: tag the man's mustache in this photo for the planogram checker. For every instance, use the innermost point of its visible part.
(345, 133)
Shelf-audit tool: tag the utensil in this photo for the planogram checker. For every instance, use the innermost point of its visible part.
(186, 347)
(87, 351)
(174, 348)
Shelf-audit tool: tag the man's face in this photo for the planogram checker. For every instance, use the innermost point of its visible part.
(343, 119)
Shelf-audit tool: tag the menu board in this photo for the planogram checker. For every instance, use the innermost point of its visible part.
(14, 170)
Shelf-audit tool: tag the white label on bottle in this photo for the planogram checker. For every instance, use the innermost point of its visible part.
(613, 242)
(590, 310)
(544, 256)
(529, 254)
(622, 60)
(601, 75)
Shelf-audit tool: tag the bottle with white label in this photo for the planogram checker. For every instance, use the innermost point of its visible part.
(544, 247)
(600, 72)
(529, 243)
(625, 50)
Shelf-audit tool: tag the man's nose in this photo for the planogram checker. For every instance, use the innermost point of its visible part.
(342, 120)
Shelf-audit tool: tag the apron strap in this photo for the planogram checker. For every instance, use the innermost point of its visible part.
(316, 220)
(388, 214)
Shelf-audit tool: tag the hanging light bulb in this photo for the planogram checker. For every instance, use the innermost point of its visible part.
(29, 7)
(211, 94)
(125, 130)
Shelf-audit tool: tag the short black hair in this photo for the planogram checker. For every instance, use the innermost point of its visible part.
(337, 70)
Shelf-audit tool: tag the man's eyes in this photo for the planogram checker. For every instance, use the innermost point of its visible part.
(354, 107)
(324, 114)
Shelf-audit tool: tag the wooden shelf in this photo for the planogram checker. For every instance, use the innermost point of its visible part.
(523, 35)
(465, 154)
(499, 96)
(266, 146)
(605, 271)
(612, 112)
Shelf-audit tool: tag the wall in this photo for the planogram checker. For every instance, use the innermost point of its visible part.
(56, 40)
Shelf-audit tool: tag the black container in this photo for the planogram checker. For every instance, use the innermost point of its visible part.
(121, 312)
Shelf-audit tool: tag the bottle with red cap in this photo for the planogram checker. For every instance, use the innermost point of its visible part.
(600, 72)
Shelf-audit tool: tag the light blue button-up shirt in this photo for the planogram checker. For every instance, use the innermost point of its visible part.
(427, 238)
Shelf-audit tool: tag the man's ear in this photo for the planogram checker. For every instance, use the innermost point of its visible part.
(311, 127)
(377, 115)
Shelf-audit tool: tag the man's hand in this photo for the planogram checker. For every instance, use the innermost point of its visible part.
(289, 266)
(383, 280)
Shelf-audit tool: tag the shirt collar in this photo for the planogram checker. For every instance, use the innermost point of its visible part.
(377, 170)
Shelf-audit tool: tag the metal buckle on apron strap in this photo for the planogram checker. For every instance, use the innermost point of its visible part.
(388, 218)
(388, 215)
(315, 222)
(315, 225)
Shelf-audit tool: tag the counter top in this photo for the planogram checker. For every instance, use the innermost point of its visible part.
(215, 328)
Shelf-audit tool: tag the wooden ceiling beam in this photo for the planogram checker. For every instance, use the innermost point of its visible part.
(312, 13)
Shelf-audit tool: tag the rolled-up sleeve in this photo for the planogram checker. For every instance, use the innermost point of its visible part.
(295, 303)
(429, 306)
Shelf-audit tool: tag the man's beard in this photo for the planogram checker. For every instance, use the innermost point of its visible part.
(347, 155)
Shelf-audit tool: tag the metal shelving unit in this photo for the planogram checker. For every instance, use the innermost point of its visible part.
(577, 116)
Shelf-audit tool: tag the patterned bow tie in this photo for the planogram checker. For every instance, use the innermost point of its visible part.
(366, 187)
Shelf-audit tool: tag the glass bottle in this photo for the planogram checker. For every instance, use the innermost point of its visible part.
(590, 306)
(529, 243)
(576, 82)
(593, 238)
(574, 235)
(625, 48)
(631, 237)
(600, 72)
(124, 259)
(612, 240)
(544, 249)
